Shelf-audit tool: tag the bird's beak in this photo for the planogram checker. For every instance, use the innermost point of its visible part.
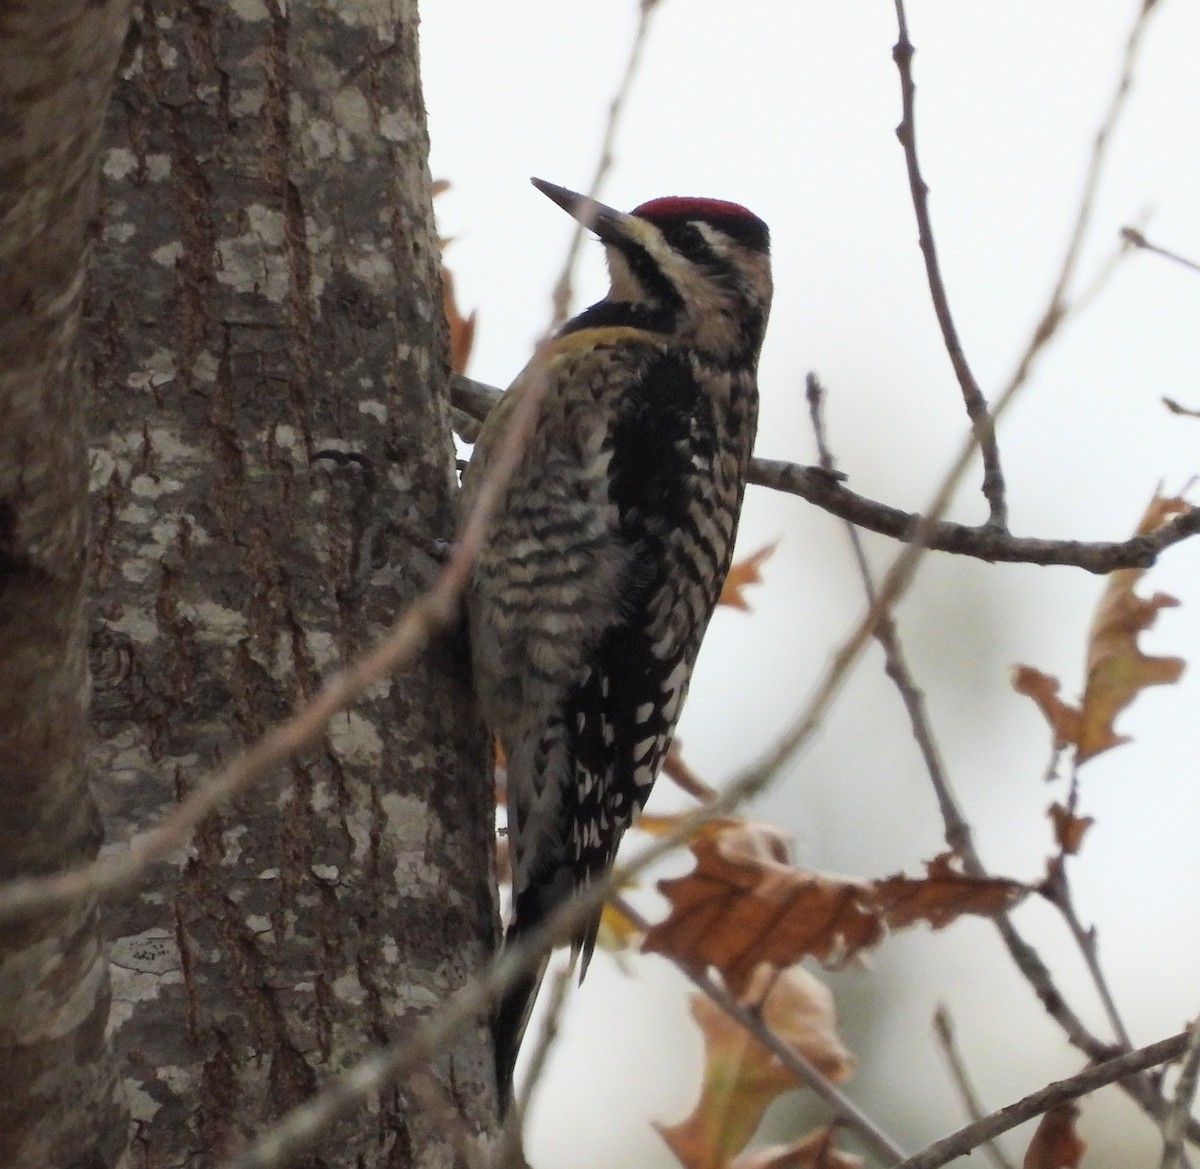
(612, 226)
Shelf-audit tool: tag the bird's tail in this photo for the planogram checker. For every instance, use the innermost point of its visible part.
(509, 1021)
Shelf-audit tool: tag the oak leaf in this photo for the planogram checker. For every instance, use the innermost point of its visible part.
(741, 1076)
(1117, 669)
(743, 904)
(943, 894)
(1056, 1144)
(743, 574)
(1063, 718)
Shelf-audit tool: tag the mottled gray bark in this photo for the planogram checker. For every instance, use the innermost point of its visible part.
(60, 1099)
(268, 287)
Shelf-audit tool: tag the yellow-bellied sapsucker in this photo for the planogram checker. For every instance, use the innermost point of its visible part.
(611, 543)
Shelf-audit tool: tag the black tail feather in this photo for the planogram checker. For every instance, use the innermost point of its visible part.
(509, 1021)
(511, 1016)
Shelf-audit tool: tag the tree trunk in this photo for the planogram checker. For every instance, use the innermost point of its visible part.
(269, 288)
(60, 1099)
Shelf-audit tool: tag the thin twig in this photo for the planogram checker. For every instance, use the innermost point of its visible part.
(943, 1028)
(827, 492)
(1058, 891)
(1175, 1122)
(434, 610)
(1179, 408)
(1097, 160)
(563, 289)
(847, 1113)
(957, 830)
(1098, 1076)
(976, 404)
(1132, 236)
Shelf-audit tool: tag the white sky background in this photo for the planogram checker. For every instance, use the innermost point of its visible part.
(791, 109)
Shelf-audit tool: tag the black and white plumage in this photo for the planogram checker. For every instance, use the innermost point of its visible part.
(604, 561)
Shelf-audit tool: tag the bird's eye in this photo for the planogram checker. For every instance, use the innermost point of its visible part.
(689, 239)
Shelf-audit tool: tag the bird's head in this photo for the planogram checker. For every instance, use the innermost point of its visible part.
(702, 265)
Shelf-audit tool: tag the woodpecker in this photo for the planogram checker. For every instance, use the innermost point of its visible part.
(606, 555)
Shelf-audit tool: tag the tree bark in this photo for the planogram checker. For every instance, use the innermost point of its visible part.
(60, 1098)
(269, 288)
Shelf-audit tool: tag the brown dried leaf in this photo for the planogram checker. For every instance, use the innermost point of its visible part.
(743, 574)
(1116, 667)
(743, 904)
(1069, 829)
(1056, 1144)
(462, 329)
(1064, 720)
(1117, 670)
(945, 893)
(815, 1150)
(741, 1076)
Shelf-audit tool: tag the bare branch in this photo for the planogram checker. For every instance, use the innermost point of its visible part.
(1178, 408)
(1175, 1121)
(943, 1028)
(1097, 160)
(1110, 1071)
(982, 543)
(827, 492)
(563, 291)
(958, 831)
(1132, 236)
(1057, 889)
(977, 409)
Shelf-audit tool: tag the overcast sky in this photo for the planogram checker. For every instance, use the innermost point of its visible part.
(791, 110)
